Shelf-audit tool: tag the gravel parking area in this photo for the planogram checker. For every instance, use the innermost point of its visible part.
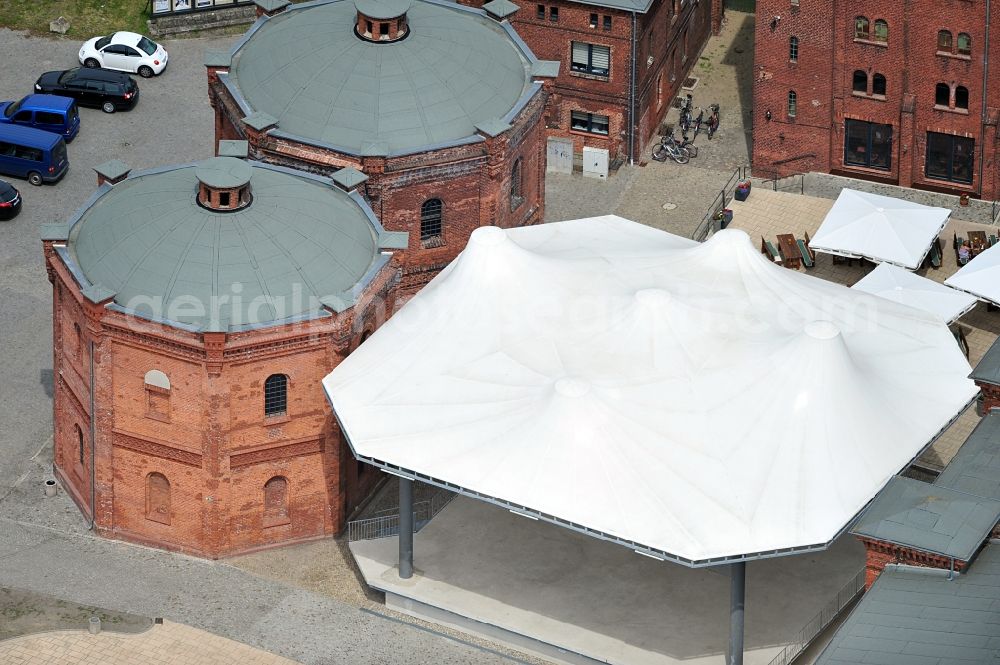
(171, 123)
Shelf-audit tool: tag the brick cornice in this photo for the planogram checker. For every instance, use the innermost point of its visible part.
(147, 446)
(309, 446)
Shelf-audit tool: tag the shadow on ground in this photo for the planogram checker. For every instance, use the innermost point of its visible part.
(24, 613)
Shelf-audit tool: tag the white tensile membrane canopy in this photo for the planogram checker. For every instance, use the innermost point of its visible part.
(880, 228)
(902, 286)
(692, 401)
(980, 276)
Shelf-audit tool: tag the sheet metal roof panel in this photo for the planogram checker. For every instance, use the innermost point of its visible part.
(924, 619)
(147, 238)
(306, 65)
(988, 369)
(975, 468)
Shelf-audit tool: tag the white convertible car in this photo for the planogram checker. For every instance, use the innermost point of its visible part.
(126, 52)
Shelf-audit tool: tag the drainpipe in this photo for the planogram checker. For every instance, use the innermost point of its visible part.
(986, 75)
(631, 99)
(93, 445)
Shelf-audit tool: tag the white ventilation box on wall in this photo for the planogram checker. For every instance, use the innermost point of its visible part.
(595, 163)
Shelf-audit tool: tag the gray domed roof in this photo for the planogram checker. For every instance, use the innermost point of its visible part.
(167, 258)
(307, 68)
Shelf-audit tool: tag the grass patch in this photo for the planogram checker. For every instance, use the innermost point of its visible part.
(88, 18)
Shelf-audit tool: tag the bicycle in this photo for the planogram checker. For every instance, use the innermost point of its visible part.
(713, 120)
(669, 147)
(699, 121)
(685, 118)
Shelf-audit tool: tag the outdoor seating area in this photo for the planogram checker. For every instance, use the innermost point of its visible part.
(971, 246)
(789, 251)
(768, 213)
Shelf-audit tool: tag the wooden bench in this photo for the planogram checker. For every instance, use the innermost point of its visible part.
(935, 254)
(808, 256)
(769, 250)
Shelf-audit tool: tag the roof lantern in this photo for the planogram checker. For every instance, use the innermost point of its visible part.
(382, 21)
(223, 184)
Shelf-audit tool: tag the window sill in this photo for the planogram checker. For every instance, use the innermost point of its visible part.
(282, 520)
(874, 170)
(432, 242)
(948, 109)
(582, 132)
(871, 42)
(592, 77)
(161, 417)
(277, 419)
(955, 56)
(159, 519)
(864, 95)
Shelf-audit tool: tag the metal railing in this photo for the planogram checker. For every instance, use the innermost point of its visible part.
(385, 523)
(710, 221)
(785, 183)
(811, 630)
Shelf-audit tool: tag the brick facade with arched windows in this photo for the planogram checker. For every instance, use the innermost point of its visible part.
(179, 448)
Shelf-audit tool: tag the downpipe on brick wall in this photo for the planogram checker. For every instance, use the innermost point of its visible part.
(982, 111)
(631, 99)
(93, 445)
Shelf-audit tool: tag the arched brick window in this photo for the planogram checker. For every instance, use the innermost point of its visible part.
(793, 49)
(942, 94)
(861, 27)
(158, 498)
(431, 213)
(944, 41)
(878, 85)
(964, 44)
(157, 395)
(962, 97)
(77, 339)
(860, 81)
(793, 104)
(516, 185)
(881, 32)
(276, 395)
(276, 501)
(80, 455)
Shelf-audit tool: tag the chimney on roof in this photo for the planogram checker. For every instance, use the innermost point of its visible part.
(112, 172)
(382, 21)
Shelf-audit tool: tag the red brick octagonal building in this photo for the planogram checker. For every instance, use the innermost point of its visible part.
(195, 310)
(438, 104)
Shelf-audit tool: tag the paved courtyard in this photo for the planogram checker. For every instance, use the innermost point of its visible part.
(166, 644)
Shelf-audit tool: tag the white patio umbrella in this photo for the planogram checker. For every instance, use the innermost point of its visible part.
(980, 276)
(880, 228)
(902, 286)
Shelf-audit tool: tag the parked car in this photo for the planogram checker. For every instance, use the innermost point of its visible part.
(10, 200)
(30, 153)
(50, 113)
(126, 52)
(100, 88)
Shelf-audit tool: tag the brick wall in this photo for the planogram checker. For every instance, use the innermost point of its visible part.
(991, 396)
(207, 435)
(878, 554)
(670, 30)
(829, 54)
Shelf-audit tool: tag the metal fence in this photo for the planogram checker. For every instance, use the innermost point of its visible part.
(710, 222)
(811, 630)
(385, 523)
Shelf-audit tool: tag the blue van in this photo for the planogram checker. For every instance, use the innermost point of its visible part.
(50, 113)
(33, 154)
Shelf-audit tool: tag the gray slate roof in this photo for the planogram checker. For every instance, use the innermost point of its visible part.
(930, 518)
(308, 69)
(919, 617)
(300, 239)
(382, 8)
(988, 369)
(975, 468)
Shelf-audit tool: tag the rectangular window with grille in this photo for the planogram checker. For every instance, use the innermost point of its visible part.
(949, 157)
(868, 144)
(591, 59)
(589, 122)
